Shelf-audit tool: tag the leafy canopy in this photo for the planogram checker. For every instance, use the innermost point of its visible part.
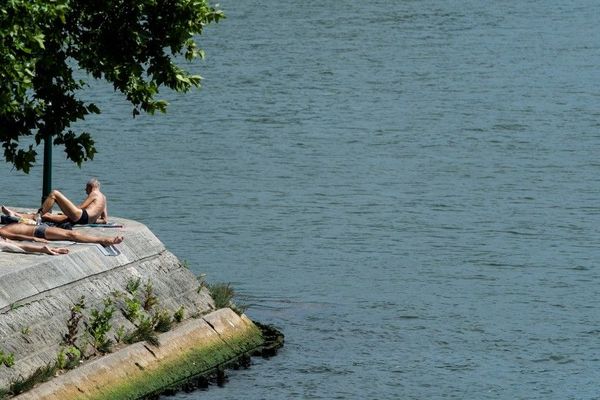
(132, 44)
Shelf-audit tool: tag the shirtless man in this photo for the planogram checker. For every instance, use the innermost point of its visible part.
(42, 233)
(92, 210)
(10, 246)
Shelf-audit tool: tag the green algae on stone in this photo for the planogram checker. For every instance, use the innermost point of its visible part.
(196, 361)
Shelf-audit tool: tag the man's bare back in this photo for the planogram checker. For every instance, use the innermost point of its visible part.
(95, 205)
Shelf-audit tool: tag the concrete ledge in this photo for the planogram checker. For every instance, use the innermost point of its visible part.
(192, 348)
(23, 276)
(38, 291)
(37, 296)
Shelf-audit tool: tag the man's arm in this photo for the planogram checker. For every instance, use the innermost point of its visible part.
(29, 247)
(92, 197)
(7, 245)
(103, 218)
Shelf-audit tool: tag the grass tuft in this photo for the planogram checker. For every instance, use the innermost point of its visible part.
(40, 375)
(179, 314)
(133, 285)
(150, 299)
(223, 294)
(162, 321)
(143, 332)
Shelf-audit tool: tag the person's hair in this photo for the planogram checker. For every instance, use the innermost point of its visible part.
(93, 183)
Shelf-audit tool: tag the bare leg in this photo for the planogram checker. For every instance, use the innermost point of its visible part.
(63, 234)
(35, 248)
(11, 213)
(67, 207)
(55, 218)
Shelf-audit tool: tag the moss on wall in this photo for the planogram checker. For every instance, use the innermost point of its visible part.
(181, 367)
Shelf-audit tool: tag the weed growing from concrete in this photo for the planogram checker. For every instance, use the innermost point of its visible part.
(99, 326)
(70, 337)
(150, 299)
(68, 358)
(144, 331)
(132, 310)
(133, 285)
(40, 375)
(8, 360)
(120, 334)
(179, 314)
(162, 321)
(223, 294)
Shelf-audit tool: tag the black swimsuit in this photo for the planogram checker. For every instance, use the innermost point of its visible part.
(84, 218)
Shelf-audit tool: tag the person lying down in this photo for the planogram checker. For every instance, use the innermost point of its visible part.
(42, 233)
(13, 247)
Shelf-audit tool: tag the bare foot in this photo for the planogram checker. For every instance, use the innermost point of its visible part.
(61, 250)
(113, 240)
(55, 251)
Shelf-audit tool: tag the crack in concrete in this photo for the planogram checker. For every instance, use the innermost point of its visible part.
(212, 326)
(150, 350)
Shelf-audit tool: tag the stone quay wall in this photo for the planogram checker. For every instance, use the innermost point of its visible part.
(38, 294)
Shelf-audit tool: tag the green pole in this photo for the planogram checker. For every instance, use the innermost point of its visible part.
(47, 184)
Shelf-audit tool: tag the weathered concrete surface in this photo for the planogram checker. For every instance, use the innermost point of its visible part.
(140, 369)
(38, 291)
(23, 276)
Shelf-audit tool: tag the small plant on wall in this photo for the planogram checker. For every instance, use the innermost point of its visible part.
(179, 314)
(223, 294)
(7, 359)
(71, 336)
(99, 326)
(68, 358)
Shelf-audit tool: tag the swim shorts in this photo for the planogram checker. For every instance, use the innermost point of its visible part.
(83, 220)
(40, 231)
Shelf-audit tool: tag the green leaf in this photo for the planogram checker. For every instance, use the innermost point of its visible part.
(39, 38)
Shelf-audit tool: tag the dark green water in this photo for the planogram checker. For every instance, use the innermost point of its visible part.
(407, 189)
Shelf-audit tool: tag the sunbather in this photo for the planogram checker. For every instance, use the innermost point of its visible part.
(92, 210)
(13, 247)
(43, 233)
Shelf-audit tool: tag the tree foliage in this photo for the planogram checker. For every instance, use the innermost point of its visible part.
(133, 44)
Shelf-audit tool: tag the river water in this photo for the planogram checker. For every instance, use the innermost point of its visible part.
(407, 189)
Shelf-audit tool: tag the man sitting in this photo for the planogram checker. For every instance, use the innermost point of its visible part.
(92, 210)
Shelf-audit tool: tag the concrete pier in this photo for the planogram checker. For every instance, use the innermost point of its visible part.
(38, 293)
